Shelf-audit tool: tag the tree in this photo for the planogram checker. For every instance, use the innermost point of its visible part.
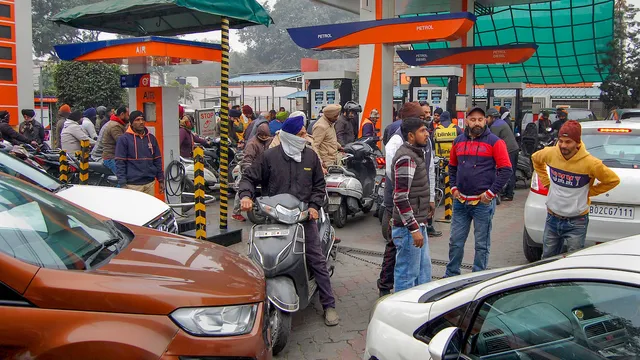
(272, 49)
(184, 91)
(86, 84)
(46, 34)
(621, 88)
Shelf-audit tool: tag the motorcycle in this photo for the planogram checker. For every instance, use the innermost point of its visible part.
(532, 141)
(279, 247)
(350, 187)
(210, 180)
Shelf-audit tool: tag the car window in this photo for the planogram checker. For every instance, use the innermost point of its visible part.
(616, 150)
(41, 229)
(581, 115)
(452, 318)
(630, 115)
(17, 168)
(572, 320)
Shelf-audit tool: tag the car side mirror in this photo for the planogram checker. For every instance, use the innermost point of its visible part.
(446, 344)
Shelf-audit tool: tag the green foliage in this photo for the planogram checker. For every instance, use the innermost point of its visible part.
(272, 49)
(83, 84)
(184, 90)
(621, 88)
(46, 34)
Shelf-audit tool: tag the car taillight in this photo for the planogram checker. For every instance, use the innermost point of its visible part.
(73, 168)
(614, 130)
(382, 162)
(537, 187)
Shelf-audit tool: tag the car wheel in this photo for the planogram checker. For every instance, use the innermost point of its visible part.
(340, 216)
(280, 323)
(532, 253)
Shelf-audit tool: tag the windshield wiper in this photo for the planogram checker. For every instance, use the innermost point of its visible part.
(93, 253)
(62, 187)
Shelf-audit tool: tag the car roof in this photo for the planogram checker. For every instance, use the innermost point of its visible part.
(626, 123)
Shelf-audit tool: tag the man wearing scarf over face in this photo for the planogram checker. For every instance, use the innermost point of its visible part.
(294, 168)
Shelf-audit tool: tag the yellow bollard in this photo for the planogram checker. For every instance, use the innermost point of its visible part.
(83, 160)
(198, 182)
(64, 167)
(448, 198)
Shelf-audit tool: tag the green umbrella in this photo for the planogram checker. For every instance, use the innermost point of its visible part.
(163, 17)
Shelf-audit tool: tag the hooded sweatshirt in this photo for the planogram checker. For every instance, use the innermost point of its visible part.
(572, 181)
(138, 159)
(72, 134)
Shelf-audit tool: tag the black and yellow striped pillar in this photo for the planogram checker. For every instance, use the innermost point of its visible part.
(198, 195)
(83, 160)
(448, 199)
(64, 167)
(224, 125)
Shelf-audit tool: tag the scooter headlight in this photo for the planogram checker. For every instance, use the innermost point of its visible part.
(269, 210)
(288, 216)
(216, 321)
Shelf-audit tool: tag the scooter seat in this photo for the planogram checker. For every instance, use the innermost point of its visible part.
(349, 173)
(100, 168)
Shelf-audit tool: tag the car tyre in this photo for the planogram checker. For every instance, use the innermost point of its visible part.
(532, 253)
(280, 323)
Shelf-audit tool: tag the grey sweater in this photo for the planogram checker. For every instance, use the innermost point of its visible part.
(501, 129)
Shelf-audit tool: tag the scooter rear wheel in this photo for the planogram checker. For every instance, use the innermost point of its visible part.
(280, 323)
(340, 216)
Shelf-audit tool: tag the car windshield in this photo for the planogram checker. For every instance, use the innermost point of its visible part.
(616, 150)
(18, 168)
(581, 115)
(630, 115)
(39, 228)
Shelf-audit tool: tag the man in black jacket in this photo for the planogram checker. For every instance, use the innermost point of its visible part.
(10, 134)
(293, 168)
(30, 127)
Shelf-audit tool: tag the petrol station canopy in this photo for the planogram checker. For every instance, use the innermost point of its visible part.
(163, 17)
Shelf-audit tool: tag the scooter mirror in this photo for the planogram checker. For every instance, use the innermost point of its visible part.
(549, 129)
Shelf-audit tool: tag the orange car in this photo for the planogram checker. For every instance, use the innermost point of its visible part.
(77, 286)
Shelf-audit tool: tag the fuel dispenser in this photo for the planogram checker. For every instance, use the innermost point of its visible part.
(514, 104)
(437, 96)
(322, 91)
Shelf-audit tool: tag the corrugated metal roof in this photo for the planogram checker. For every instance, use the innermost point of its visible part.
(298, 94)
(554, 93)
(264, 78)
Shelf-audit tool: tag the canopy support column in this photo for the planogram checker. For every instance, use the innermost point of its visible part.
(224, 125)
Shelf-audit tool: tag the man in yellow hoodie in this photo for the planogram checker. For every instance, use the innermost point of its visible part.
(573, 172)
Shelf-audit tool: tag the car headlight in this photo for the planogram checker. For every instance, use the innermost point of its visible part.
(216, 321)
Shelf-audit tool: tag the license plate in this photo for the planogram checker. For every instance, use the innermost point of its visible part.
(613, 212)
(335, 200)
(271, 233)
(381, 191)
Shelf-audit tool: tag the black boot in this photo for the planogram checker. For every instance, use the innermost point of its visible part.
(432, 232)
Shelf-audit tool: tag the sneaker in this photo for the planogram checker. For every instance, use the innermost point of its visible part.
(239, 218)
(331, 317)
(384, 292)
(432, 232)
(507, 198)
(337, 241)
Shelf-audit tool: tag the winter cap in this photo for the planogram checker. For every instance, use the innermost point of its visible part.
(374, 114)
(75, 116)
(263, 130)
(293, 125)
(438, 111)
(332, 111)
(136, 114)
(572, 130)
(493, 113)
(247, 110)
(474, 109)
(90, 113)
(411, 110)
(64, 109)
(180, 111)
(235, 113)
(445, 116)
(28, 112)
(282, 116)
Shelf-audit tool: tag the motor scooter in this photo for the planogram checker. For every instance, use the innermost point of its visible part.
(279, 247)
(350, 187)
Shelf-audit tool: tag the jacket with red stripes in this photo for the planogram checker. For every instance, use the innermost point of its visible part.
(138, 158)
(479, 165)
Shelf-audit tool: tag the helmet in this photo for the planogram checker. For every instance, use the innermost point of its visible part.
(352, 106)
(101, 110)
(562, 111)
(374, 114)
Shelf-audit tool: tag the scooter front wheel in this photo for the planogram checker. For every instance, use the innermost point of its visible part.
(280, 323)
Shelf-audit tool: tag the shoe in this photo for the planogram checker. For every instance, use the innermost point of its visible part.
(507, 198)
(432, 232)
(337, 240)
(331, 317)
(384, 292)
(239, 218)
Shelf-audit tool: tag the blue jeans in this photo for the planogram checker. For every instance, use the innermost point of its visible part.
(558, 230)
(413, 264)
(481, 215)
(111, 164)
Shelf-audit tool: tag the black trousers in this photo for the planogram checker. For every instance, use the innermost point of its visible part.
(385, 282)
(509, 190)
(318, 264)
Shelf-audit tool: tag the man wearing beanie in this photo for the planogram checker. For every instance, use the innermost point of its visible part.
(63, 114)
(88, 122)
(479, 168)
(72, 134)
(573, 173)
(138, 157)
(115, 127)
(324, 135)
(31, 128)
(293, 168)
(245, 119)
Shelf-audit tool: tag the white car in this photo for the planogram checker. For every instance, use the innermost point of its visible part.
(612, 215)
(128, 206)
(582, 306)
